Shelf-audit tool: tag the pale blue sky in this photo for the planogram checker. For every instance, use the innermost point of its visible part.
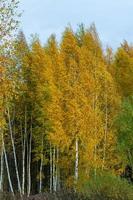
(113, 18)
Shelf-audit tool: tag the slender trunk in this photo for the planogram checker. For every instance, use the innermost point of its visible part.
(51, 175)
(14, 152)
(23, 153)
(76, 160)
(41, 166)
(54, 171)
(106, 129)
(57, 171)
(94, 107)
(1, 170)
(27, 159)
(29, 167)
(95, 135)
(40, 184)
(7, 167)
(23, 170)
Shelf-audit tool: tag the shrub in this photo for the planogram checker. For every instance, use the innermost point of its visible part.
(106, 186)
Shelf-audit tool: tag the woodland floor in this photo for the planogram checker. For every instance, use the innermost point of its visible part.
(46, 196)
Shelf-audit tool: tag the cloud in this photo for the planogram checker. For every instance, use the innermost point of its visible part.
(113, 18)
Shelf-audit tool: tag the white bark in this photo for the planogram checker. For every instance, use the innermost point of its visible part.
(76, 160)
(54, 171)
(106, 128)
(29, 167)
(23, 153)
(51, 169)
(95, 134)
(27, 158)
(23, 169)
(94, 108)
(7, 167)
(41, 166)
(14, 152)
(57, 172)
(1, 169)
(40, 184)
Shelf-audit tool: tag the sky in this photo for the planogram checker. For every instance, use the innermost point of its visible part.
(113, 18)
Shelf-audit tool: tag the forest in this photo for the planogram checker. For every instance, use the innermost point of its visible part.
(66, 115)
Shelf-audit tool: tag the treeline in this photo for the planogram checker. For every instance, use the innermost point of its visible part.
(66, 112)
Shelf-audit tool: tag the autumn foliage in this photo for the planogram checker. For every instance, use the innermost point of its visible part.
(59, 104)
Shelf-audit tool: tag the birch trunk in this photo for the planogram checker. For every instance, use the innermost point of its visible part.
(23, 152)
(23, 170)
(41, 166)
(8, 172)
(57, 171)
(40, 184)
(51, 175)
(14, 152)
(29, 166)
(54, 171)
(106, 129)
(76, 160)
(27, 158)
(94, 108)
(95, 134)
(1, 170)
